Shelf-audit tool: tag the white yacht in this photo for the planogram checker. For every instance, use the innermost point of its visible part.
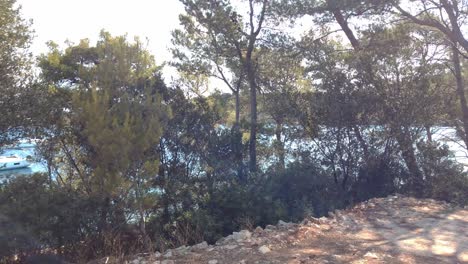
(12, 162)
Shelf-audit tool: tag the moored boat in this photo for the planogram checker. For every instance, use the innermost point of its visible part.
(12, 162)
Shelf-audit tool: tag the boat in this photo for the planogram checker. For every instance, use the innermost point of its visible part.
(12, 162)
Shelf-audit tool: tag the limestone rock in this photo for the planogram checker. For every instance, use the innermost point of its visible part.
(264, 249)
(200, 246)
(182, 250)
(223, 240)
(137, 261)
(242, 235)
(230, 247)
(371, 255)
(168, 254)
(323, 220)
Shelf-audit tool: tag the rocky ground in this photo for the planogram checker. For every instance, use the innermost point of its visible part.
(395, 229)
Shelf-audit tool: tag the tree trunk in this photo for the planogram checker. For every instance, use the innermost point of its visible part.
(428, 133)
(253, 130)
(103, 225)
(346, 29)
(253, 113)
(237, 122)
(142, 221)
(237, 142)
(280, 146)
(362, 142)
(409, 156)
(461, 92)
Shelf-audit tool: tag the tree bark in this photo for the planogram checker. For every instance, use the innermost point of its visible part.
(346, 29)
(251, 72)
(428, 133)
(280, 146)
(237, 95)
(461, 92)
(407, 151)
(237, 137)
(253, 119)
(142, 221)
(362, 142)
(103, 225)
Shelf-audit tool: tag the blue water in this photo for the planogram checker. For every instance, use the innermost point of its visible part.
(24, 149)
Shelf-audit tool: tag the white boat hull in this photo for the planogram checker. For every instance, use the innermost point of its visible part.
(12, 163)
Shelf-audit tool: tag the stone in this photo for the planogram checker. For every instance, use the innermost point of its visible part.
(282, 223)
(242, 235)
(258, 230)
(168, 254)
(264, 249)
(182, 250)
(230, 247)
(200, 246)
(213, 261)
(222, 240)
(157, 254)
(371, 255)
(323, 220)
(270, 227)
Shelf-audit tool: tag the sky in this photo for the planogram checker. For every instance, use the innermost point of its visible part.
(59, 20)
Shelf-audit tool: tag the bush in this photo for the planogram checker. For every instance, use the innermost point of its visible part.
(39, 217)
(445, 179)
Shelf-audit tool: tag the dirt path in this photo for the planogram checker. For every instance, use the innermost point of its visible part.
(386, 230)
(392, 230)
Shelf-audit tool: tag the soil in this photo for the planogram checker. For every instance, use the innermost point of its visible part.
(394, 229)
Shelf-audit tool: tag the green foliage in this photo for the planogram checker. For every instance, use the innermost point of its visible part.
(446, 179)
(103, 141)
(16, 104)
(135, 165)
(37, 214)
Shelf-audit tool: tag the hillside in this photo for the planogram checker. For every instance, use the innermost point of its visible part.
(395, 229)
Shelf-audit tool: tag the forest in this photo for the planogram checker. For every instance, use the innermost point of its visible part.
(282, 109)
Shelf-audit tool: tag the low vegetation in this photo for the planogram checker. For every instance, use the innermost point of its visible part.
(298, 126)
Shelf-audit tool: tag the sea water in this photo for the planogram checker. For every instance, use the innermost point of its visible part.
(26, 149)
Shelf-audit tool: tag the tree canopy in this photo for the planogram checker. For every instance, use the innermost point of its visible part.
(15, 61)
(317, 105)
